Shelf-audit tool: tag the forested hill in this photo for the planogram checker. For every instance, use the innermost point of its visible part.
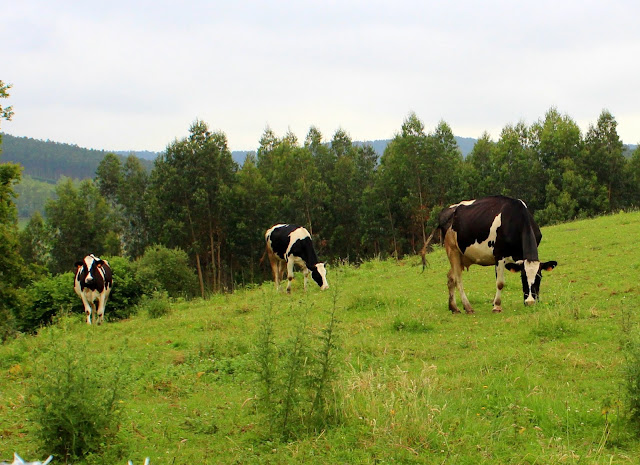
(49, 161)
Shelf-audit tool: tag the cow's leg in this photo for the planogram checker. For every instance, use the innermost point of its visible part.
(290, 263)
(87, 308)
(497, 301)
(451, 284)
(102, 302)
(305, 273)
(454, 277)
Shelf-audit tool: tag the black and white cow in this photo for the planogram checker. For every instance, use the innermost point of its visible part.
(93, 281)
(291, 245)
(498, 231)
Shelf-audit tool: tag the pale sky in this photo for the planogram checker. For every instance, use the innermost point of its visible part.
(134, 75)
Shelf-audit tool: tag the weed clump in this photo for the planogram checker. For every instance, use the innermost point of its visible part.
(157, 305)
(295, 376)
(75, 399)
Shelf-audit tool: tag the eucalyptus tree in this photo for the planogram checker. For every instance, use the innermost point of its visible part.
(350, 175)
(632, 179)
(249, 217)
(603, 156)
(35, 244)
(109, 177)
(133, 196)
(402, 182)
(482, 172)
(420, 172)
(518, 169)
(81, 222)
(190, 185)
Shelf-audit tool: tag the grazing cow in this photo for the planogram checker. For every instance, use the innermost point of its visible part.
(498, 231)
(93, 281)
(291, 244)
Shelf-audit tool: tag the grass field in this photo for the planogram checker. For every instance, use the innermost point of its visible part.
(410, 382)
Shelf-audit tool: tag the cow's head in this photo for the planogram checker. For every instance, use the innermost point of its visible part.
(531, 274)
(87, 269)
(319, 275)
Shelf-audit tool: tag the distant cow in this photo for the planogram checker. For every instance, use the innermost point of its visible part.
(93, 281)
(291, 244)
(498, 231)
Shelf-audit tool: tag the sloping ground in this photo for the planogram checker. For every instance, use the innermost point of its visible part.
(412, 383)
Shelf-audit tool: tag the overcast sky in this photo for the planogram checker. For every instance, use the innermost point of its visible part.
(134, 75)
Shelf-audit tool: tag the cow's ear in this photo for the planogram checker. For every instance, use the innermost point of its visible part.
(78, 265)
(514, 267)
(548, 266)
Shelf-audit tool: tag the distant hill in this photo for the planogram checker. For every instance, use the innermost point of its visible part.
(464, 143)
(141, 154)
(48, 161)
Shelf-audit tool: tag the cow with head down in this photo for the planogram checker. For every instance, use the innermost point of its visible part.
(492, 231)
(289, 245)
(93, 281)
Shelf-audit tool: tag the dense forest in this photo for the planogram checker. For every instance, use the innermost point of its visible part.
(197, 200)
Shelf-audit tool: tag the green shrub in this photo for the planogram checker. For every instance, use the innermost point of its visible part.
(163, 269)
(127, 289)
(75, 398)
(157, 305)
(46, 299)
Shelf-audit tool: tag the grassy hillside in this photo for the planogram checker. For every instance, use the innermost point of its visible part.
(412, 383)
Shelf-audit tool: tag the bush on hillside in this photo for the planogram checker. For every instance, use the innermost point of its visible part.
(75, 399)
(48, 297)
(156, 305)
(163, 269)
(127, 289)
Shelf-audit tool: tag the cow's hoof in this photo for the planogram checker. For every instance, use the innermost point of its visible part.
(497, 309)
(470, 311)
(454, 311)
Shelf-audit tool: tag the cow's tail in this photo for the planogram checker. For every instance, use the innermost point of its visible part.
(427, 248)
(264, 254)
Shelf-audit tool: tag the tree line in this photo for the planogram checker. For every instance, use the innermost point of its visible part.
(356, 204)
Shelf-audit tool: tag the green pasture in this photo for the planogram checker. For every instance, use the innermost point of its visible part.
(410, 383)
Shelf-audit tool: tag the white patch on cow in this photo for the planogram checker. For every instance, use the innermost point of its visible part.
(88, 261)
(296, 235)
(464, 202)
(531, 270)
(481, 253)
(323, 273)
(525, 205)
(270, 230)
